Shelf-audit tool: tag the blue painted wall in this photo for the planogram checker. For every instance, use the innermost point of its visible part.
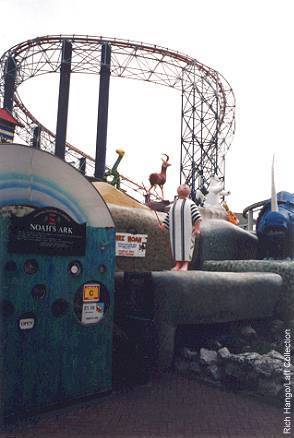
(60, 359)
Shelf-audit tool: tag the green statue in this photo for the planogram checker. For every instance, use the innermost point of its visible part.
(112, 176)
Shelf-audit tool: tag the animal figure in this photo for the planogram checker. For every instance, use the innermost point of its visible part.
(274, 229)
(112, 176)
(275, 224)
(216, 192)
(231, 216)
(200, 198)
(159, 179)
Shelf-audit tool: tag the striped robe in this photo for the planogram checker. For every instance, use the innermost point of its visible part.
(180, 219)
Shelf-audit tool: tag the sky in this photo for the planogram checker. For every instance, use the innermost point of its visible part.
(250, 42)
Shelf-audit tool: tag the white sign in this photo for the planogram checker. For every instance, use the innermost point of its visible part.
(92, 312)
(26, 323)
(130, 245)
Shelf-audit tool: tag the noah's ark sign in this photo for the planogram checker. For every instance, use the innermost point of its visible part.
(47, 231)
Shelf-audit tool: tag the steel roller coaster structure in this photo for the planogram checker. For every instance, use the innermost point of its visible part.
(207, 108)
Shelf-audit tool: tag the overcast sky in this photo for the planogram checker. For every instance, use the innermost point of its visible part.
(250, 42)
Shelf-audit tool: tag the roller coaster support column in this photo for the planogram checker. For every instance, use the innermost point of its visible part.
(65, 69)
(82, 165)
(36, 137)
(101, 138)
(9, 87)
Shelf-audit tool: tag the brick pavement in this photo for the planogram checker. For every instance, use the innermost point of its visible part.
(171, 406)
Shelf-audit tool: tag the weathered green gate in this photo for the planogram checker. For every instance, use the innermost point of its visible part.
(56, 308)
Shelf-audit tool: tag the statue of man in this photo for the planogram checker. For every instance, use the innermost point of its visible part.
(183, 222)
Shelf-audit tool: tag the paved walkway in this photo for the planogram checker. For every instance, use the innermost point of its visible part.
(171, 406)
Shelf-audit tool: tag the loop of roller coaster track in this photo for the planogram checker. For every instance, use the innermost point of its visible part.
(33, 48)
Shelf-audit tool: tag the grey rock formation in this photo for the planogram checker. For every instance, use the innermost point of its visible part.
(261, 373)
(223, 353)
(285, 305)
(214, 372)
(275, 355)
(206, 297)
(189, 354)
(221, 240)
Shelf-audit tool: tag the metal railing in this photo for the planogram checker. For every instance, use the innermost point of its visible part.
(249, 212)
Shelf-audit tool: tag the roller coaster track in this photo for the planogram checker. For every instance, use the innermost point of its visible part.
(208, 103)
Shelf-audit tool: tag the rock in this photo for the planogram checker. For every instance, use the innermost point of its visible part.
(190, 354)
(223, 353)
(275, 355)
(208, 357)
(245, 358)
(214, 372)
(248, 332)
(221, 240)
(198, 297)
(266, 366)
(285, 305)
(257, 371)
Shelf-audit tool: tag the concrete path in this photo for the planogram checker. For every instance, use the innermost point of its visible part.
(171, 406)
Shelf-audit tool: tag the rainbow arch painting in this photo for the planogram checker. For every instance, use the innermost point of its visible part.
(35, 178)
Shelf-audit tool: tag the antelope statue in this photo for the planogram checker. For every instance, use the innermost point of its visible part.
(159, 179)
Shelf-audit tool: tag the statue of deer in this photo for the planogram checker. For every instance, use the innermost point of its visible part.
(159, 179)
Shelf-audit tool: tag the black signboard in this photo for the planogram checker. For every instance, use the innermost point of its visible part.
(47, 231)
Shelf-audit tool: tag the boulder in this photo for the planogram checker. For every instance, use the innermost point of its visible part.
(208, 357)
(223, 353)
(275, 355)
(189, 354)
(214, 372)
